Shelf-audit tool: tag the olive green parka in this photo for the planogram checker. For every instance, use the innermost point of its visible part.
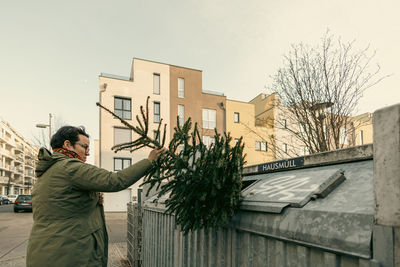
(69, 227)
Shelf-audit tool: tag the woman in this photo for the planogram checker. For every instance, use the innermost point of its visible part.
(69, 227)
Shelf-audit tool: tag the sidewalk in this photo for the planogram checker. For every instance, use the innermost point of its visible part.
(116, 256)
(117, 247)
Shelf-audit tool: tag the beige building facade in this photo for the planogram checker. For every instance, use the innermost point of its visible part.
(189, 100)
(124, 96)
(362, 129)
(241, 122)
(270, 113)
(174, 91)
(17, 162)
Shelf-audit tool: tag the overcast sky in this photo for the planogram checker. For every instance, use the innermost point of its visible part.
(53, 51)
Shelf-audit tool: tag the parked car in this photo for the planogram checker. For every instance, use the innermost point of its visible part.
(12, 198)
(4, 200)
(23, 202)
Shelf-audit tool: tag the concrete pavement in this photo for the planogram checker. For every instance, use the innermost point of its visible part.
(15, 229)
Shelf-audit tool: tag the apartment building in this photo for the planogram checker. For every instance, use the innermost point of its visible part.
(17, 162)
(241, 122)
(362, 129)
(175, 92)
(271, 113)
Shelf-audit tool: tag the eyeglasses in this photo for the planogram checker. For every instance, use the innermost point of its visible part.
(85, 146)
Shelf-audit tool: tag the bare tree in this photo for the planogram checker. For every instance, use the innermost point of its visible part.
(319, 89)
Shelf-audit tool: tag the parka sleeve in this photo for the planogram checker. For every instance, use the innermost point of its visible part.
(91, 178)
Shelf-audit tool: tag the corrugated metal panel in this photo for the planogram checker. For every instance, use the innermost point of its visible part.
(165, 245)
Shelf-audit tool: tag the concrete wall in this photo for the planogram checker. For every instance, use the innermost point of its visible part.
(387, 185)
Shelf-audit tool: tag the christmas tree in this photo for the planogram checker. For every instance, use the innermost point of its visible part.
(203, 182)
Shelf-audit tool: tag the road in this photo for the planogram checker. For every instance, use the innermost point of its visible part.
(15, 229)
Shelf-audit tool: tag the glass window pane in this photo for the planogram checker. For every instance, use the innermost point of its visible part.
(181, 87)
(127, 104)
(126, 163)
(118, 113)
(258, 145)
(127, 115)
(263, 146)
(122, 136)
(156, 84)
(156, 108)
(236, 117)
(117, 103)
(117, 164)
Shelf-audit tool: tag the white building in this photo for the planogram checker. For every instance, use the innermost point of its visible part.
(17, 162)
(125, 95)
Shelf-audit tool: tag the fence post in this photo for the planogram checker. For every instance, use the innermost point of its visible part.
(386, 233)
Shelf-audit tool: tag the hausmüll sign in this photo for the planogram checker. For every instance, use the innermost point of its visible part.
(280, 165)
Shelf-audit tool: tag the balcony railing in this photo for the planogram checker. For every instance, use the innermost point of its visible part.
(19, 148)
(7, 153)
(4, 180)
(29, 173)
(30, 163)
(19, 170)
(29, 155)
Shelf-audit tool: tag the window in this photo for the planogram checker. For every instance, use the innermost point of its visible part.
(304, 151)
(343, 138)
(181, 87)
(209, 118)
(122, 107)
(156, 83)
(208, 140)
(261, 146)
(181, 114)
(284, 148)
(361, 138)
(284, 125)
(180, 148)
(122, 135)
(121, 163)
(236, 117)
(157, 112)
(156, 136)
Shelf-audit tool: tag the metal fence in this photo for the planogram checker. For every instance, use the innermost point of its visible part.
(165, 245)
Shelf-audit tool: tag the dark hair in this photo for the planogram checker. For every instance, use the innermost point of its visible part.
(67, 133)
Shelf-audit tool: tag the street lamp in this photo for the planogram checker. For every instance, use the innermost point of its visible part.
(41, 125)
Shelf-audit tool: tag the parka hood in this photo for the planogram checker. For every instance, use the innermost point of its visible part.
(46, 160)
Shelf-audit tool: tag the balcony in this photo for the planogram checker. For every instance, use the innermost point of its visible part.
(28, 183)
(19, 148)
(9, 142)
(29, 155)
(29, 173)
(4, 180)
(5, 167)
(20, 159)
(19, 170)
(6, 153)
(29, 163)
